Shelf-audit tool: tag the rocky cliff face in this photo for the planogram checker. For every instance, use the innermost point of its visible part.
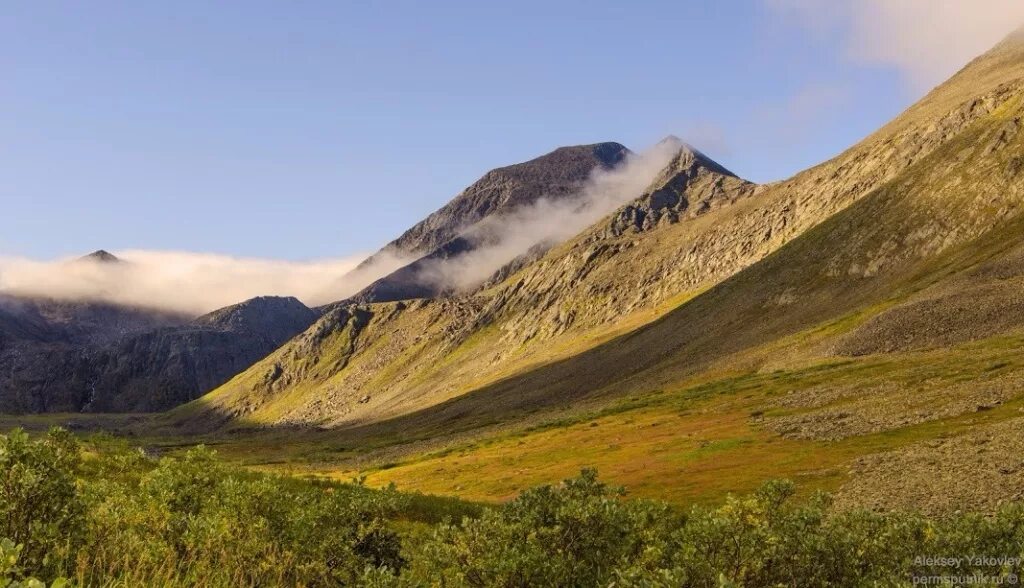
(60, 356)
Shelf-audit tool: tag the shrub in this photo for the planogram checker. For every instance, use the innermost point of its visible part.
(194, 519)
(574, 534)
(40, 509)
(11, 573)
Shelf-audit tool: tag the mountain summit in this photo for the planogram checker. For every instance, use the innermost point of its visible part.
(100, 256)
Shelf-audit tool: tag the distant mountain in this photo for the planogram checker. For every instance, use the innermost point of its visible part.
(159, 369)
(101, 256)
(45, 345)
(66, 356)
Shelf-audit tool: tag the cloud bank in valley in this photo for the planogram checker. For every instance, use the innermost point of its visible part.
(501, 239)
(192, 283)
(926, 40)
(196, 283)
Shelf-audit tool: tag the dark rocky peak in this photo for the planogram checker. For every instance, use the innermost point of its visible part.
(100, 256)
(448, 232)
(558, 173)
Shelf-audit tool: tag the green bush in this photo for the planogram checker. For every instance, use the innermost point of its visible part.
(581, 534)
(119, 518)
(194, 520)
(576, 534)
(40, 506)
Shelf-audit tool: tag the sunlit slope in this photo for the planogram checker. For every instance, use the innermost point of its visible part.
(625, 303)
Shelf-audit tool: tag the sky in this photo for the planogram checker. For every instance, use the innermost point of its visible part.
(321, 130)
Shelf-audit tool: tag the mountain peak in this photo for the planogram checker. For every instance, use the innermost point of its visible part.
(100, 256)
(672, 140)
(558, 173)
(689, 156)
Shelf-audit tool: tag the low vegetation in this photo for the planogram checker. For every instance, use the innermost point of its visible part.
(99, 513)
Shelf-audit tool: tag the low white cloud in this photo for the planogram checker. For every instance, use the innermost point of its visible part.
(926, 40)
(188, 282)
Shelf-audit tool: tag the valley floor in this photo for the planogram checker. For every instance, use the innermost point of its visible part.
(935, 431)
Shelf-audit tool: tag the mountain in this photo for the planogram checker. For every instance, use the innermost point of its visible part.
(555, 174)
(851, 326)
(43, 343)
(162, 368)
(393, 355)
(101, 256)
(70, 356)
(443, 234)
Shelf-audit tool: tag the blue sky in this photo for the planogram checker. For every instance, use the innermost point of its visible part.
(300, 130)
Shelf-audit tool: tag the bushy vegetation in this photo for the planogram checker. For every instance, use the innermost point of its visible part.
(123, 518)
(118, 517)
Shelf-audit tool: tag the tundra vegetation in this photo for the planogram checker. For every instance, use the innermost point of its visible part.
(98, 512)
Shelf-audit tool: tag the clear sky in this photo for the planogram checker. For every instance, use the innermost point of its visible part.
(300, 130)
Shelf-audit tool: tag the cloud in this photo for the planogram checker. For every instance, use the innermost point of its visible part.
(500, 240)
(188, 282)
(926, 40)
